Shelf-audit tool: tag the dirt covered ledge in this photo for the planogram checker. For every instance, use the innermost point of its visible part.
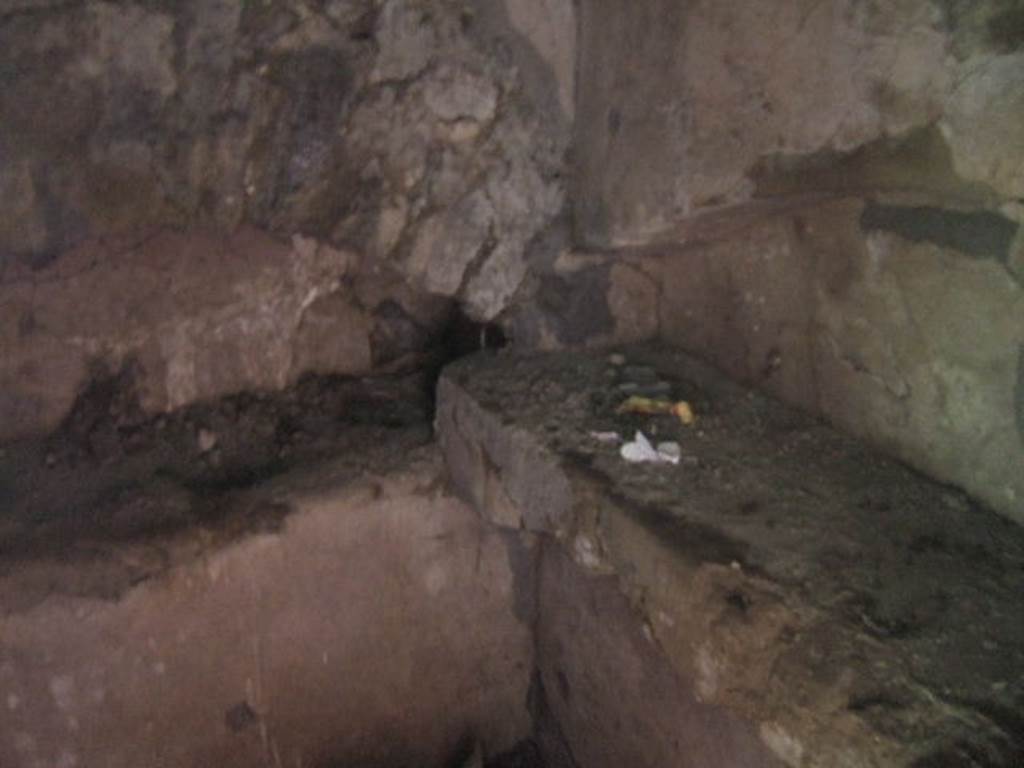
(848, 611)
(347, 611)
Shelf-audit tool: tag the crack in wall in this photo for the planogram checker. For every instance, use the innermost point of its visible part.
(900, 390)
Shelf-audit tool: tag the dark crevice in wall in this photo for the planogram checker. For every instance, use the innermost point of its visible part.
(552, 741)
(463, 336)
(397, 335)
(459, 336)
(94, 476)
(979, 234)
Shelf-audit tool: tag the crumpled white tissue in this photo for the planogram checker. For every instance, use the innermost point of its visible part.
(641, 450)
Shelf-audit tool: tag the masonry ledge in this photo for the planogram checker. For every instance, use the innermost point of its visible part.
(852, 612)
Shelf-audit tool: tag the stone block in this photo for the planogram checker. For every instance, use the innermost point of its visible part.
(754, 604)
(196, 315)
(368, 625)
(616, 698)
(333, 337)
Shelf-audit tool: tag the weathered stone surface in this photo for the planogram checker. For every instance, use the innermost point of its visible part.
(360, 622)
(617, 700)
(526, 493)
(912, 345)
(798, 586)
(469, 193)
(406, 38)
(195, 316)
(448, 243)
(736, 83)
(549, 26)
(982, 123)
(388, 130)
(625, 195)
(334, 337)
(590, 300)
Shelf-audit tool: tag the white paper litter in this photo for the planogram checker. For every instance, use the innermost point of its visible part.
(671, 452)
(641, 450)
(606, 437)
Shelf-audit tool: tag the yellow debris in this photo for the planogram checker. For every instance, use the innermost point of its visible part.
(637, 404)
(681, 409)
(684, 413)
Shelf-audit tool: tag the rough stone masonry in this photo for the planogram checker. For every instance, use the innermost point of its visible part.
(189, 188)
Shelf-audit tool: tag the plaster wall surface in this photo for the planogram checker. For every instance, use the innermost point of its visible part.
(829, 197)
(377, 623)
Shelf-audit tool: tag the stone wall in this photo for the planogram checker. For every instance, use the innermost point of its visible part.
(685, 108)
(824, 198)
(373, 624)
(378, 160)
(911, 343)
(834, 192)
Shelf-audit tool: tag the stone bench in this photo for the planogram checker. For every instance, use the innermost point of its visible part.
(782, 596)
